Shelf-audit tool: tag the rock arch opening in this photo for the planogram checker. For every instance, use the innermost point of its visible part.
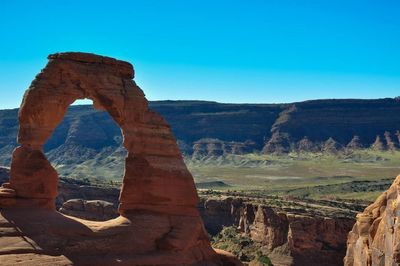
(87, 152)
(87, 145)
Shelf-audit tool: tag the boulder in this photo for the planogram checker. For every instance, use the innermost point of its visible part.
(95, 210)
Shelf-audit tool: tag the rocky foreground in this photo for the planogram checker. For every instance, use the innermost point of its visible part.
(289, 232)
(289, 235)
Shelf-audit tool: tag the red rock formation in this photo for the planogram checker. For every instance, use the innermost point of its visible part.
(289, 238)
(375, 238)
(158, 199)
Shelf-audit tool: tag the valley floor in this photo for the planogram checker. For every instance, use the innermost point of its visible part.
(360, 175)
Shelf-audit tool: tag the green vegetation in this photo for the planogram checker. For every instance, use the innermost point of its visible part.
(263, 259)
(241, 245)
(360, 175)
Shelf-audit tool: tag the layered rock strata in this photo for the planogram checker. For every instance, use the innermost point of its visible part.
(289, 237)
(215, 147)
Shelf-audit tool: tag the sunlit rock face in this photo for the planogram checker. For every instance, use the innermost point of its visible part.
(288, 236)
(158, 216)
(375, 238)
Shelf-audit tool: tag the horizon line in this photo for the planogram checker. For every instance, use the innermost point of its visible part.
(397, 98)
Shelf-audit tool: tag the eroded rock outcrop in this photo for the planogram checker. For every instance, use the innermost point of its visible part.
(378, 144)
(215, 147)
(354, 144)
(331, 146)
(289, 237)
(390, 143)
(375, 238)
(338, 119)
(278, 143)
(158, 223)
(306, 145)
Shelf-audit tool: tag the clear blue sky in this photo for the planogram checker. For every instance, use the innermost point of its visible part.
(227, 51)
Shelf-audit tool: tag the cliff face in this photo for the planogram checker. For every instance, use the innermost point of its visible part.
(375, 238)
(215, 147)
(195, 120)
(209, 128)
(290, 238)
(340, 120)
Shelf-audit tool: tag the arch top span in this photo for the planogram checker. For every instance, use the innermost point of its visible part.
(124, 68)
(70, 76)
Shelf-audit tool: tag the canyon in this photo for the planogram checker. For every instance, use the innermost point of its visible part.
(291, 234)
(288, 232)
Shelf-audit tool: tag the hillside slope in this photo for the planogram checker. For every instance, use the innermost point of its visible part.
(87, 138)
(339, 120)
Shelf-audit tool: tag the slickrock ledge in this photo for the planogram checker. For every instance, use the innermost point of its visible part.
(375, 238)
(158, 223)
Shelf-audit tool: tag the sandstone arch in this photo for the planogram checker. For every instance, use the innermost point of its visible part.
(155, 177)
(158, 198)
